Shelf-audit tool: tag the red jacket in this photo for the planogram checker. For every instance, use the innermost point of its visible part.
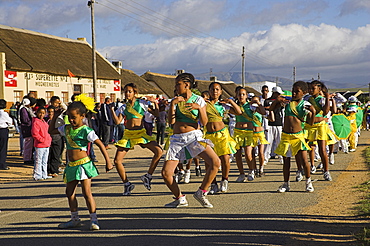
(41, 137)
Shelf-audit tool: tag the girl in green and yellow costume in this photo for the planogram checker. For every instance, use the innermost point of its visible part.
(319, 131)
(135, 134)
(293, 141)
(224, 144)
(249, 133)
(80, 168)
(186, 110)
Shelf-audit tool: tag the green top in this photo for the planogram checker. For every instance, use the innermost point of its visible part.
(184, 115)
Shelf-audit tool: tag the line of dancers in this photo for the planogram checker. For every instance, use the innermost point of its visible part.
(198, 131)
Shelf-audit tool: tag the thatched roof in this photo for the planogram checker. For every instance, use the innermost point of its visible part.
(128, 76)
(167, 84)
(36, 52)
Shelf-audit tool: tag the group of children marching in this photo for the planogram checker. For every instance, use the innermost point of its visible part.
(198, 130)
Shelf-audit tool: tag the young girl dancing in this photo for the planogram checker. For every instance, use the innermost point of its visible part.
(187, 141)
(292, 141)
(135, 134)
(319, 131)
(224, 144)
(80, 168)
(248, 133)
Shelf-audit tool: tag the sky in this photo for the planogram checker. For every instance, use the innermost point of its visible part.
(326, 37)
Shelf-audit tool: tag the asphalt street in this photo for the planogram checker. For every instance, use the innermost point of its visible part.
(251, 213)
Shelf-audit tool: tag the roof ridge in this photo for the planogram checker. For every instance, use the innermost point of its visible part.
(16, 29)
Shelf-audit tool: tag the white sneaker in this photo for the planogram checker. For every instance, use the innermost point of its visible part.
(214, 189)
(128, 188)
(250, 176)
(94, 225)
(313, 170)
(241, 178)
(202, 199)
(331, 159)
(283, 188)
(177, 203)
(320, 166)
(352, 150)
(298, 176)
(309, 186)
(179, 176)
(187, 177)
(327, 176)
(224, 186)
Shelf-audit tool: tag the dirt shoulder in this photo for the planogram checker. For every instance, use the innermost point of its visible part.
(340, 198)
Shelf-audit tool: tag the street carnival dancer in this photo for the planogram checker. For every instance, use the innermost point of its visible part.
(187, 141)
(80, 168)
(319, 132)
(249, 133)
(135, 134)
(224, 144)
(293, 142)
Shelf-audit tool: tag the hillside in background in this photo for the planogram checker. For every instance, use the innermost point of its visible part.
(285, 83)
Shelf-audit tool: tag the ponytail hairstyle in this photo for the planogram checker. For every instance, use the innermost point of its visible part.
(187, 78)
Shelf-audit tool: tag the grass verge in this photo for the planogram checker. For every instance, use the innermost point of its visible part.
(363, 209)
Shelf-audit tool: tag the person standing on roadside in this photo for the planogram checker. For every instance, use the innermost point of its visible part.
(5, 122)
(42, 142)
(106, 121)
(25, 115)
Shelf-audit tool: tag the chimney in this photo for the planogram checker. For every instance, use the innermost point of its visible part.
(213, 78)
(180, 71)
(82, 39)
(117, 64)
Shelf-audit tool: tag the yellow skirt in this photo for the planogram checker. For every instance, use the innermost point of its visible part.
(167, 142)
(293, 142)
(224, 144)
(243, 137)
(134, 137)
(259, 138)
(320, 131)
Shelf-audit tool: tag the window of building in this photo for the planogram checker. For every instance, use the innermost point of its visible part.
(18, 96)
(65, 97)
(77, 89)
(49, 94)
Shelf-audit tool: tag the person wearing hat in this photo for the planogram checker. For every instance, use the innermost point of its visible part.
(276, 105)
(351, 115)
(25, 116)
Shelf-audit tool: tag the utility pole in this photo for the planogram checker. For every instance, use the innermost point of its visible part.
(243, 77)
(294, 74)
(95, 90)
(318, 76)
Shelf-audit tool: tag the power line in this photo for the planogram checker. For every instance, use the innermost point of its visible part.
(187, 27)
(175, 32)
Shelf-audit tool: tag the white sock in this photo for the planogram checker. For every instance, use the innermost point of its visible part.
(93, 217)
(308, 180)
(74, 216)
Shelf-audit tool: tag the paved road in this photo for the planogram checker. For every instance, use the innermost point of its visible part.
(249, 214)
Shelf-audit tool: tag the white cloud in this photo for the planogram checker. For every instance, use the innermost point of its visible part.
(41, 15)
(179, 18)
(280, 12)
(324, 48)
(353, 6)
